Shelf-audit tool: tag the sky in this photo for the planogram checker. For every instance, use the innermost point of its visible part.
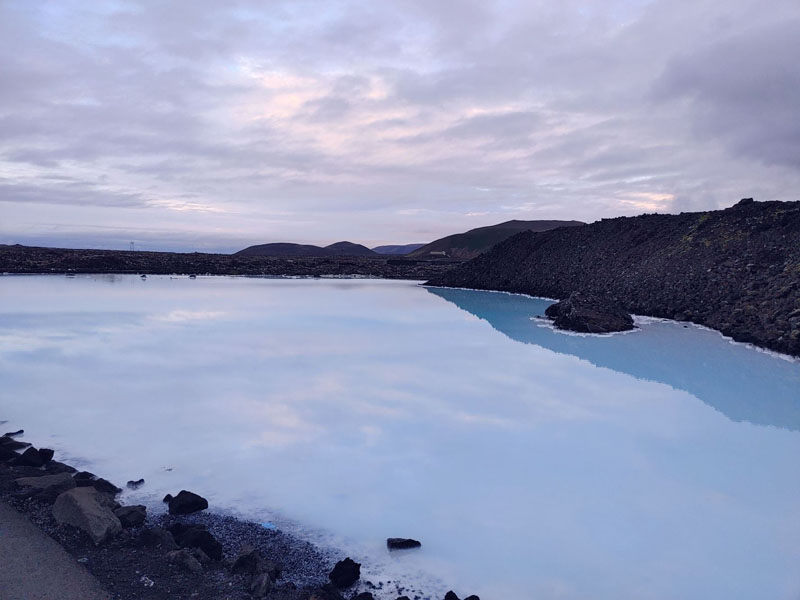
(209, 126)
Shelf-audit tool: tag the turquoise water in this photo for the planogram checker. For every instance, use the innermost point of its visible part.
(531, 464)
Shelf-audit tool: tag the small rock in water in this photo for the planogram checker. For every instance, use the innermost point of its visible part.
(14, 433)
(186, 503)
(586, 313)
(135, 485)
(345, 573)
(402, 543)
(131, 516)
(167, 498)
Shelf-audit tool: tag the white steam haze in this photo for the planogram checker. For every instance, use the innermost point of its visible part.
(205, 125)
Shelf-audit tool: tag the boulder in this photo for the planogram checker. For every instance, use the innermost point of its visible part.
(54, 468)
(135, 485)
(587, 313)
(12, 444)
(326, 592)
(345, 573)
(14, 433)
(61, 482)
(31, 458)
(84, 508)
(7, 454)
(260, 585)
(402, 543)
(131, 516)
(168, 498)
(47, 454)
(451, 595)
(196, 536)
(250, 561)
(186, 503)
(363, 596)
(105, 486)
(184, 559)
(157, 538)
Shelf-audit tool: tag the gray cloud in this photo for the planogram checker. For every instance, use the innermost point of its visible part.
(379, 122)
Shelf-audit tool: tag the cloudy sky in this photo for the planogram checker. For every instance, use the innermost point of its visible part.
(200, 124)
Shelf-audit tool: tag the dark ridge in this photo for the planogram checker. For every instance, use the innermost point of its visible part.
(477, 241)
(349, 249)
(397, 249)
(735, 270)
(283, 249)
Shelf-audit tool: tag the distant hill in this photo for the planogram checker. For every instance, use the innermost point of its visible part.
(289, 249)
(736, 270)
(477, 241)
(349, 249)
(397, 249)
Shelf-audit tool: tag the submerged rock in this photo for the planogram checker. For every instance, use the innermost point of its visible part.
(186, 503)
(345, 573)
(86, 509)
(402, 543)
(587, 313)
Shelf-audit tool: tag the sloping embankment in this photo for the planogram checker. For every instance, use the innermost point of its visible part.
(736, 270)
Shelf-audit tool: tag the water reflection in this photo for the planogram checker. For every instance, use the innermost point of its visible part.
(741, 383)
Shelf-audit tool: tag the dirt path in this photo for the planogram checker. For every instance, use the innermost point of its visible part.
(34, 567)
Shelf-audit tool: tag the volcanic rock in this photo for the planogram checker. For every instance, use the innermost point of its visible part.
(402, 543)
(184, 559)
(186, 503)
(197, 536)
(131, 516)
(85, 509)
(157, 538)
(345, 573)
(135, 485)
(587, 313)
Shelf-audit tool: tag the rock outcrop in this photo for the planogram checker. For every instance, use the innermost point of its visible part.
(586, 313)
(735, 270)
(345, 573)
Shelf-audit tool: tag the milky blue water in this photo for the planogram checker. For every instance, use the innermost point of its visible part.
(658, 464)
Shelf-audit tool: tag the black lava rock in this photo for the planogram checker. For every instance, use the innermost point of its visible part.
(157, 538)
(345, 573)
(14, 433)
(7, 454)
(197, 536)
(131, 516)
(12, 444)
(402, 543)
(31, 458)
(587, 313)
(46, 454)
(167, 498)
(186, 503)
(105, 486)
(135, 485)
(363, 596)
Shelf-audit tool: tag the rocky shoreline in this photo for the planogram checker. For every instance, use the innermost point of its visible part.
(31, 259)
(187, 552)
(735, 270)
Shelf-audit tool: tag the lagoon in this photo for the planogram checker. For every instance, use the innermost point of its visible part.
(656, 464)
